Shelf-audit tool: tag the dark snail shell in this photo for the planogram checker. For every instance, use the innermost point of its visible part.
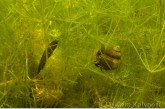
(110, 59)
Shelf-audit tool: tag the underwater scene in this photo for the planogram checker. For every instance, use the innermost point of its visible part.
(82, 53)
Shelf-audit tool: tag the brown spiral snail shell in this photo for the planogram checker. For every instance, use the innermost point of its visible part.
(108, 59)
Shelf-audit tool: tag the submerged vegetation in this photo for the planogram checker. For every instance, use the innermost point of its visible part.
(69, 77)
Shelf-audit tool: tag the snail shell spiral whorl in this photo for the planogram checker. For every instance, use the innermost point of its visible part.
(110, 59)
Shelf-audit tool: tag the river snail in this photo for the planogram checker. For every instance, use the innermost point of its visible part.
(108, 59)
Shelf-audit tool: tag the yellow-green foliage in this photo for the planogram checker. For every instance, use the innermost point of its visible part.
(70, 78)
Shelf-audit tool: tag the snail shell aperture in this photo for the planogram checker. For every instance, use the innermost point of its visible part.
(109, 59)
